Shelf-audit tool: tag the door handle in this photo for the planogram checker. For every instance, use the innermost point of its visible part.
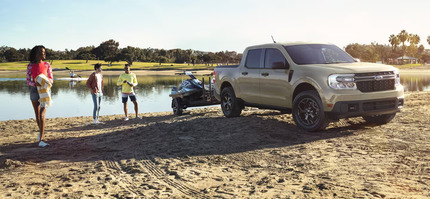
(244, 73)
(265, 74)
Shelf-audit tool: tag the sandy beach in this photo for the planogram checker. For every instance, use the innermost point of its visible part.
(202, 154)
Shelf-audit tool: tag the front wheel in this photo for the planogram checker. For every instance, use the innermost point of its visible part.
(229, 103)
(308, 111)
(379, 119)
(177, 106)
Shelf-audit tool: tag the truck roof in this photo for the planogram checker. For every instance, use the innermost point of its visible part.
(285, 44)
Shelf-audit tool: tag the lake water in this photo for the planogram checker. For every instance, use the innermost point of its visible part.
(71, 99)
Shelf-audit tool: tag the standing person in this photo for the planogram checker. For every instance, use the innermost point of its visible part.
(128, 80)
(40, 80)
(95, 85)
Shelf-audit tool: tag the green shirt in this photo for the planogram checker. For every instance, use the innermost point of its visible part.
(131, 78)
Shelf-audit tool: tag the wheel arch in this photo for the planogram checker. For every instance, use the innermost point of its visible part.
(225, 84)
(303, 87)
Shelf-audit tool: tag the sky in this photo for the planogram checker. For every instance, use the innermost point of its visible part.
(215, 25)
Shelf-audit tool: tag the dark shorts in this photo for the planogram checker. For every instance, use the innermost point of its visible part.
(34, 95)
(126, 96)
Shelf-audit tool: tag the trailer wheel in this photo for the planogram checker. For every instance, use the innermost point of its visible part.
(177, 106)
(229, 103)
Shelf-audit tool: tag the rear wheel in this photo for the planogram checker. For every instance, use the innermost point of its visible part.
(379, 119)
(308, 111)
(229, 103)
(177, 106)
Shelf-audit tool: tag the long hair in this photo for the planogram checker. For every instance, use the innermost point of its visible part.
(37, 50)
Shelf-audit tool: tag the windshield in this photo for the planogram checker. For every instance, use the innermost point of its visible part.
(318, 54)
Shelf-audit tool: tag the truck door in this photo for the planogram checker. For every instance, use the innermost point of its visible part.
(249, 76)
(274, 85)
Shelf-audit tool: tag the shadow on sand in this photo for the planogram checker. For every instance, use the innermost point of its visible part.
(170, 136)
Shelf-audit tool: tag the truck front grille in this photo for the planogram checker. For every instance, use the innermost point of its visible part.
(372, 82)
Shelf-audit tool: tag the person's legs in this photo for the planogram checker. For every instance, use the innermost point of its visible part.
(99, 96)
(40, 115)
(125, 109)
(37, 113)
(42, 122)
(136, 108)
(124, 101)
(94, 96)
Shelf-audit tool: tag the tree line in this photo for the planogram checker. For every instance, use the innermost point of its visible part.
(401, 44)
(109, 51)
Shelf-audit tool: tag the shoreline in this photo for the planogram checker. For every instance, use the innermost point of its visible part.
(64, 72)
(145, 114)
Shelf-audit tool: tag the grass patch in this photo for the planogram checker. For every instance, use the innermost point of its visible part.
(407, 66)
(83, 65)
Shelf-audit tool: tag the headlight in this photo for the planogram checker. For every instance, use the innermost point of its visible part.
(397, 80)
(342, 81)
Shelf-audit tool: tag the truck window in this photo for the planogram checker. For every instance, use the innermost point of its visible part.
(253, 59)
(317, 54)
(274, 59)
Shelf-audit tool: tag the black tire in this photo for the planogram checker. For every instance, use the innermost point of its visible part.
(308, 111)
(379, 119)
(177, 106)
(229, 103)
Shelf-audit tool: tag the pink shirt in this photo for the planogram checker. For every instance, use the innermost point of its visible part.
(33, 70)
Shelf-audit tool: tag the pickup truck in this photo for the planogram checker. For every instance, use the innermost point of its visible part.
(316, 82)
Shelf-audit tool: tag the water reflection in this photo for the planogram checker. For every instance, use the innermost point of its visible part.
(415, 82)
(72, 99)
(147, 86)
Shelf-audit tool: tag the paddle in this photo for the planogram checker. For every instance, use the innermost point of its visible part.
(70, 70)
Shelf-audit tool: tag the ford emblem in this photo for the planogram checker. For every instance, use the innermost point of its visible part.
(379, 77)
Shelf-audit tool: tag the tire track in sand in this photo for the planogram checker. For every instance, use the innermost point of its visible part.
(145, 162)
(117, 170)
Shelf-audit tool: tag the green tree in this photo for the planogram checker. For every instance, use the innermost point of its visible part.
(12, 55)
(162, 59)
(428, 39)
(394, 41)
(403, 37)
(86, 56)
(414, 39)
(129, 54)
(107, 51)
(52, 55)
(85, 53)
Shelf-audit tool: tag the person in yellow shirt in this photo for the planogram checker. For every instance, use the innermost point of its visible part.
(128, 80)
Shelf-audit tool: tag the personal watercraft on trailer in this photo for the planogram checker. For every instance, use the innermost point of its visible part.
(191, 93)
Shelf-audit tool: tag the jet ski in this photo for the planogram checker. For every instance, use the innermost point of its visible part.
(191, 93)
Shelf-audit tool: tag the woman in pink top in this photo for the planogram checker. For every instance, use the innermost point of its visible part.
(36, 67)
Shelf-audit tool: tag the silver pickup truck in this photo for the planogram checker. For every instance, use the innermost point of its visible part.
(316, 82)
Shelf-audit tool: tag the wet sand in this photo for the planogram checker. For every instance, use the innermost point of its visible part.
(202, 154)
